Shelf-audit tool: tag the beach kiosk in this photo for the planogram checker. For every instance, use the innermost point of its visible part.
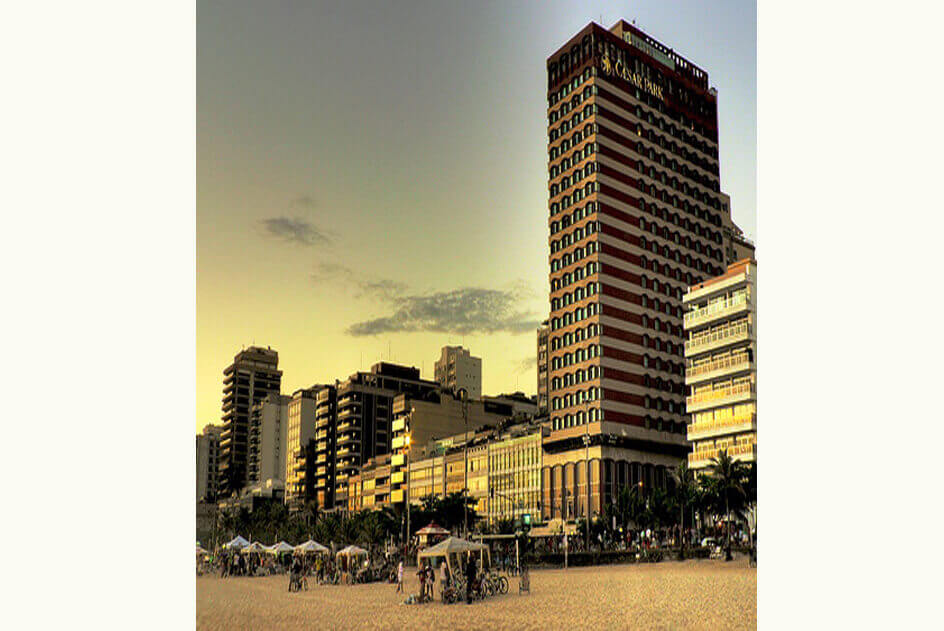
(431, 534)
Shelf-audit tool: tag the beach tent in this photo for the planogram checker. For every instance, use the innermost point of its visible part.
(352, 551)
(280, 548)
(311, 547)
(236, 544)
(452, 549)
(350, 554)
(255, 546)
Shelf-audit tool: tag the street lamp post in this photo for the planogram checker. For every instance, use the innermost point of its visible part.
(406, 443)
(463, 396)
(586, 442)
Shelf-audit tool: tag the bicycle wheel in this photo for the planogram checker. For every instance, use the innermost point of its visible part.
(503, 584)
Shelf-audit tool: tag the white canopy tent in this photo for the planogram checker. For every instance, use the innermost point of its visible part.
(280, 548)
(352, 551)
(454, 548)
(255, 546)
(236, 544)
(311, 547)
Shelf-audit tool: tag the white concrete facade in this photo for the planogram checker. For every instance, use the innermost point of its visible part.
(457, 368)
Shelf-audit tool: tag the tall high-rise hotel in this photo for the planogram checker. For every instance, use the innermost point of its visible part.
(636, 216)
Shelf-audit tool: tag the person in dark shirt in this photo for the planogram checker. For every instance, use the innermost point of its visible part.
(470, 576)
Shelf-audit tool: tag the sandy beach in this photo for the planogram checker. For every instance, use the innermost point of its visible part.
(672, 595)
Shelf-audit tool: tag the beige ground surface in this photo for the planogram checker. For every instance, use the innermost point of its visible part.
(670, 595)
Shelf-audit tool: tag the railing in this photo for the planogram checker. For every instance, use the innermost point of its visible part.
(720, 393)
(740, 360)
(717, 336)
(706, 426)
(715, 308)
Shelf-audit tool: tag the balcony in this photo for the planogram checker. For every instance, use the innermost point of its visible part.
(710, 429)
(745, 452)
(724, 336)
(397, 460)
(398, 425)
(344, 427)
(323, 434)
(738, 303)
(347, 439)
(396, 496)
(398, 441)
(719, 397)
(348, 451)
(718, 368)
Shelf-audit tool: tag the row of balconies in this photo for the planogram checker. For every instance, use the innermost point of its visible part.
(720, 337)
(705, 429)
(719, 396)
(717, 309)
(702, 372)
(744, 451)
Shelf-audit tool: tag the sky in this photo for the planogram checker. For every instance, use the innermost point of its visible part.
(372, 176)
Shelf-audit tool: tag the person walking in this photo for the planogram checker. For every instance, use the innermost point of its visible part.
(400, 577)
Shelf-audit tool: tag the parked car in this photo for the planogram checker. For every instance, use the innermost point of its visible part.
(709, 542)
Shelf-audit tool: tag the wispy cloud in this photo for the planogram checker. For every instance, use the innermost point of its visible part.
(462, 311)
(526, 364)
(381, 288)
(303, 201)
(294, 230)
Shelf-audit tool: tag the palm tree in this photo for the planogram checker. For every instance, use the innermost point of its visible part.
(683, 495)
(729, 476)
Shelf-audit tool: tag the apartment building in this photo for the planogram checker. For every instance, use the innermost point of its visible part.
(543, 374)
(268, 427)
(457, 368)
(252, 376)
(365, 417)
(300, 440)
(208, 447)
(439, 415)
(636, 216)
(721, 365)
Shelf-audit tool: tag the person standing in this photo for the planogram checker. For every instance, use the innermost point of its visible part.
(430, 581)
(400, 577)
(470, 576)
(421, 574)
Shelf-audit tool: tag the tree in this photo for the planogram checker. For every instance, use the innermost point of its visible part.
(683, 491)
(728, 475)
